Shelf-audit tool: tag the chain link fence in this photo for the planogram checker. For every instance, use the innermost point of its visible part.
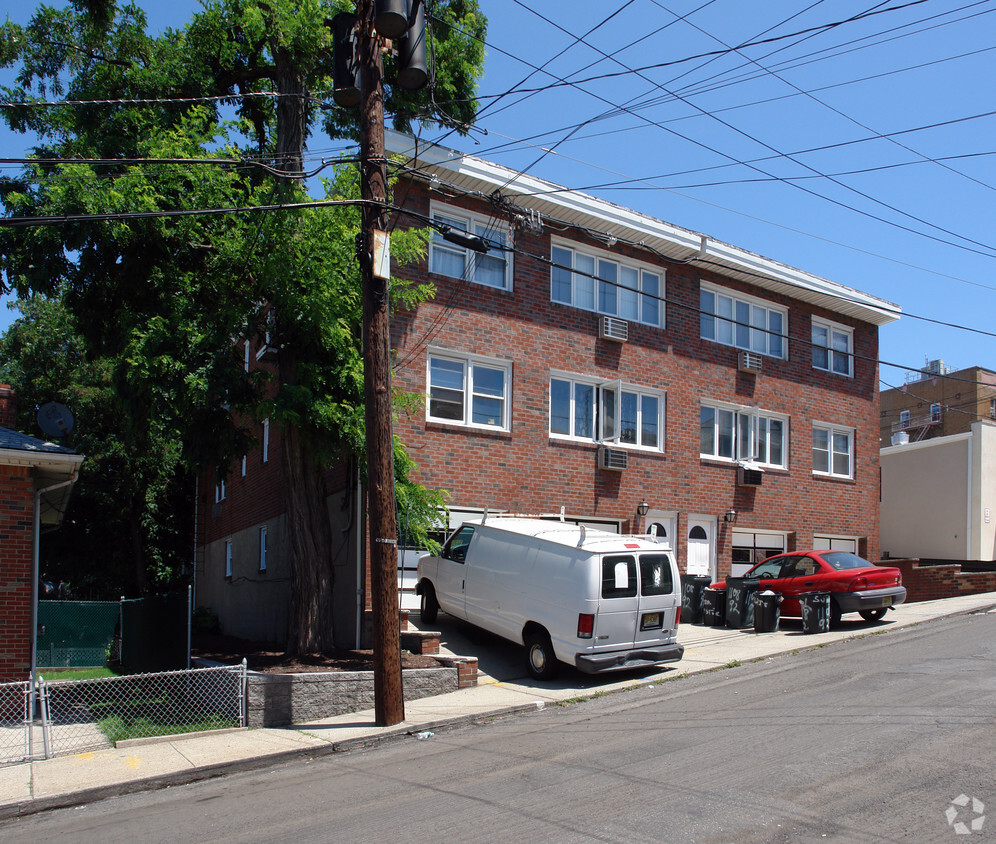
(15, 726)
(84, 715)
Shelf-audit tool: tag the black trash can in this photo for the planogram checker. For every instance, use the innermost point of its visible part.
(740, 601)
(767, 611)
(815, 612)
(713, 607)
(692, 587)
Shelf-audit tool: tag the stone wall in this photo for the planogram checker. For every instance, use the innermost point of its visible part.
(276, 700)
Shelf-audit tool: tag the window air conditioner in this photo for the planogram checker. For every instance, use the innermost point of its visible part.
(749, 362)
(615, 459)
(612, 328)
(749, 477)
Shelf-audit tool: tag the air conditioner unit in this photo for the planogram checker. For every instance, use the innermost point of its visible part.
(615, 459)
(749, 362)
(612, 328)
(749, 477)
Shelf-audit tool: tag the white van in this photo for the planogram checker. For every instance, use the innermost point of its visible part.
(593, 599)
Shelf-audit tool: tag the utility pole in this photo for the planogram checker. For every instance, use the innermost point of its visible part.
(389, 698)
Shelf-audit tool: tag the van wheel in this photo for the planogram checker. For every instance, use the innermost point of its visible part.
(430, 606)
(540, 659)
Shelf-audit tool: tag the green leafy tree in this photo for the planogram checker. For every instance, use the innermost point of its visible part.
(161, 299)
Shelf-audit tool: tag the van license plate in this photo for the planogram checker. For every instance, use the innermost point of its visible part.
(651, 621)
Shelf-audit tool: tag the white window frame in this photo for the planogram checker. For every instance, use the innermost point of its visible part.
(935, 412)
(833, 431)
(600, 390)
(245, 464)
(228, 558)
(749, 421)
(834, 355)
(219, 491)
(743, 335)
(266, 440)
(490, 228)
(593, 268)
(263, 548)
(247, 355)
(469, 364)
(835, 542)
(904, 419)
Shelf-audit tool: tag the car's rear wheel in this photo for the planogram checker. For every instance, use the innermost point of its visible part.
(430, 606)
(873, 615)
(540, 659)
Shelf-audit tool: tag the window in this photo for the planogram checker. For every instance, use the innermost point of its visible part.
(469, 390)
(655, 574)
(935, 412)
(266, 440)
(832, 350)
(228, 558)
(833, 451)
(618, 577)
(741, 321)
(992, 408)
(247, 355)
(244, 465)
(606, 412)
(493, 268)
(904, 419)
(730, 432)
(262, 548)
(219, 492)
(456, 548)
(605, 285)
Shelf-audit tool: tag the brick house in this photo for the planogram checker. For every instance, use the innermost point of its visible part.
(36, 480)
(937, 403)
(623, 371)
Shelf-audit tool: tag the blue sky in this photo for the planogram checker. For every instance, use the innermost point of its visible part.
(853, 140)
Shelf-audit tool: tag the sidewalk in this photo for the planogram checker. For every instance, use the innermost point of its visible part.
(156, 763)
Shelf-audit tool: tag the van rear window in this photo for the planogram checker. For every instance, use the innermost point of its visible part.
(655, 574)
(619, 576)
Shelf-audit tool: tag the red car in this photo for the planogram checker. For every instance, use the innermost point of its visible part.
(854, 584)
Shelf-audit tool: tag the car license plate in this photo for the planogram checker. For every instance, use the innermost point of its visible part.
(651, 621)
(887, 602)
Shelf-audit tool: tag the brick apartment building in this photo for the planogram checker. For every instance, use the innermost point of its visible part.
(607, 365)
(938, 403)
(36, 479)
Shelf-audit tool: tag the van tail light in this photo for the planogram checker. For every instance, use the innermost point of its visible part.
(586, 625)
(677, 615)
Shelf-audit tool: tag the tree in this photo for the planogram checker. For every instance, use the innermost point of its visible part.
(165, 297)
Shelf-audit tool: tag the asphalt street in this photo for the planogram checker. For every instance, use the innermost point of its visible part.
(887, 737)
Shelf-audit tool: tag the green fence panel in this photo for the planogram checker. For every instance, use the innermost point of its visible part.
(75, 634)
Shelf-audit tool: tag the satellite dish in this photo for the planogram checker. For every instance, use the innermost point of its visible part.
(55, 420)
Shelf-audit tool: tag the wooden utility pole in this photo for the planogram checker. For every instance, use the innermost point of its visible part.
(389, 698)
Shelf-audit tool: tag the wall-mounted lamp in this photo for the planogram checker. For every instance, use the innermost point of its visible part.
(730, 515)
(642, 508)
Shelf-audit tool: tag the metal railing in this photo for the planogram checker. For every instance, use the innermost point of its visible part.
(83, 715)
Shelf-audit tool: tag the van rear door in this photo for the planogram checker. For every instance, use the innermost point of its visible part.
(619, 607)
(659, 599)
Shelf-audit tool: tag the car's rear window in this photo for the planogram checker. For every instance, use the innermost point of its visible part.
(655, 574)
(841, 560)
(619, 576)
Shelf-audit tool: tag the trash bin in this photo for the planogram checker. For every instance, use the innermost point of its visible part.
(692, 587)
(713, 607)
(740, 593)
(766, 611)
(815, 612)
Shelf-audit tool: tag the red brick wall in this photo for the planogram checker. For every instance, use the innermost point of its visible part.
(527, 471)
(16, 489)
(928, 583)
(8, 407)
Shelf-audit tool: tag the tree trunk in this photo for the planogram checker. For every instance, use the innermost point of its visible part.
(312, 576)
